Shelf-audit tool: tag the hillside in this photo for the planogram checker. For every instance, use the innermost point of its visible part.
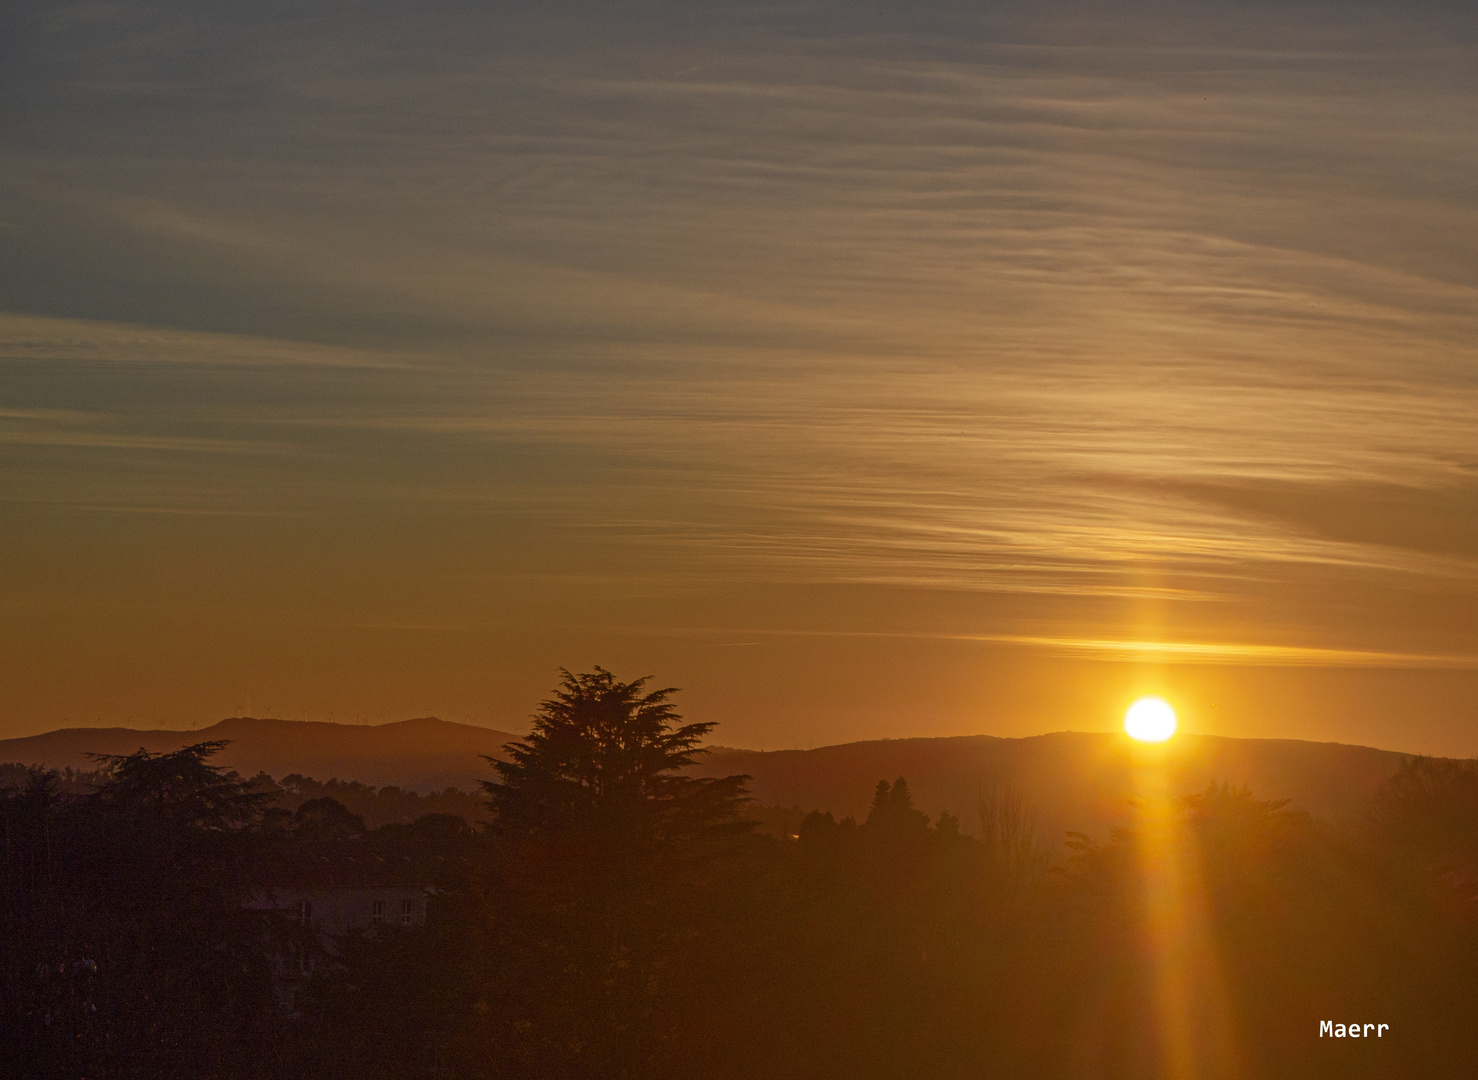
(1072, 780)
(425, 754)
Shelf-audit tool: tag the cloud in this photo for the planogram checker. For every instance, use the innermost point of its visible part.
(1161, 309)
(34, 339)
(1153, 652)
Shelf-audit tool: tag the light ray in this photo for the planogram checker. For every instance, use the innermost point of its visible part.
(1194, 1030)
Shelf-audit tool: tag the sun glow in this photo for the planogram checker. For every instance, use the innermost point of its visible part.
(1150, 719)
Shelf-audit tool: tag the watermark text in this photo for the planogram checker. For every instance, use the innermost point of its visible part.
(1333, 1030)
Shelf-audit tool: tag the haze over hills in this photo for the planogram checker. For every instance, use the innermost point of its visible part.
(1072, 780)
(425, 754)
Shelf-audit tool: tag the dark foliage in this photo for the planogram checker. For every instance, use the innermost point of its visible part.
(610, 865)
(619, 920)
(603, 763)
(124, 946)
(326, 819)
(378, 806)
(893, 810)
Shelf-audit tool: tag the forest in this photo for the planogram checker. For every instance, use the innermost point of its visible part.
(598, 913)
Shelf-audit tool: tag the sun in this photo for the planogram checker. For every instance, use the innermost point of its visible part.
(1150, 719)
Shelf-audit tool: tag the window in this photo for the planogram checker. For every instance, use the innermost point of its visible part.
(407, 908)
(377, 912)
(305, 911)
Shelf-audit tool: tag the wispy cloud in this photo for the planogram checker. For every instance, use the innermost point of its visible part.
(32, 339)
(1154, 652)
(1158, 312)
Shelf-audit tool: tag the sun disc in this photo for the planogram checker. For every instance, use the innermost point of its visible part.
(1150, 719)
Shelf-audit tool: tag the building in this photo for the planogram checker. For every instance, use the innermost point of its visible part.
(328, 891)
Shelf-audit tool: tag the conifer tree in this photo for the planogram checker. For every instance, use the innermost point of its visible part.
(604, 759)
(892, 808)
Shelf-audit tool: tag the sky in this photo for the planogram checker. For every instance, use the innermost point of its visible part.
(864, 370)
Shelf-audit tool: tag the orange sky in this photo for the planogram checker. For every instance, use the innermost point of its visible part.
(862, 372)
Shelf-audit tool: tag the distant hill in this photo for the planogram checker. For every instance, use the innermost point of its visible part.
(1072, 780)
(424, 755)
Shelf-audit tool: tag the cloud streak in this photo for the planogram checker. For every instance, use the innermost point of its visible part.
(1160, 327)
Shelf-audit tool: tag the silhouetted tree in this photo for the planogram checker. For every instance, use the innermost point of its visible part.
(179, 790)
(1426, 815)
(127, 950)
(1008, 831)
(604, 759)
(583, 943)
(620, 922)
(389, 805)
(893, 810)
(326, 818)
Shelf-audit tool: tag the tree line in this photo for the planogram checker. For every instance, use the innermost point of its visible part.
(614, 917)
(375, 805)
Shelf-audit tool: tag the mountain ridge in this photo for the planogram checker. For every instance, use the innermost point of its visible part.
(424, 753)
(1083, 781)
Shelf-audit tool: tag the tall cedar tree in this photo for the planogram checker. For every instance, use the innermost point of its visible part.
(612, 867)
(604, 761)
